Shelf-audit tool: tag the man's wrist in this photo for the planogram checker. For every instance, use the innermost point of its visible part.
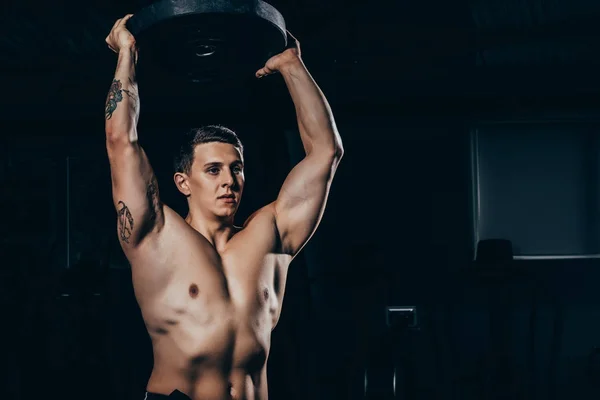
(128, 50)
(129, 53)
(291, 66)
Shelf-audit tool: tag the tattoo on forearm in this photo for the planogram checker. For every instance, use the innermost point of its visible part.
(115, 96)
(130, 94)
(125, 222)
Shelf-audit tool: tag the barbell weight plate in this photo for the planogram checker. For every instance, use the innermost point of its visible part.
(208, 40)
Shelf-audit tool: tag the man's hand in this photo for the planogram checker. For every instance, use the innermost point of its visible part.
(119, 37)
(290, 56)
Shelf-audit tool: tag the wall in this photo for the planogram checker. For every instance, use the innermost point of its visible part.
(527, 336)
(397, 231)
(396, 227)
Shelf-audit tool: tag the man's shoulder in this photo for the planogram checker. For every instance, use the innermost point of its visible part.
(260, 229)
(264, 214)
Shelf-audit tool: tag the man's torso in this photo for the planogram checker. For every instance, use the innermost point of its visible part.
(209, 314)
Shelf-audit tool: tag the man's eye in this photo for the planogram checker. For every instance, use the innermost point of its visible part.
(213, 171)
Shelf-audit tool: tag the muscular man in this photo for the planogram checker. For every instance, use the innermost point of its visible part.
(211, 292)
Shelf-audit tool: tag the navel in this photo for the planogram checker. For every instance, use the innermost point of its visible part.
(194, 290)
(265, 294)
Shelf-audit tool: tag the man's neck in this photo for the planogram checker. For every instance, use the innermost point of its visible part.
(216, 231)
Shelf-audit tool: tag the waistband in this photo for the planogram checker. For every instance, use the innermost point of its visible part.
(176, 395)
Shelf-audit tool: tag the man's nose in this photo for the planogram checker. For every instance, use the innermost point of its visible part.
(228, 179)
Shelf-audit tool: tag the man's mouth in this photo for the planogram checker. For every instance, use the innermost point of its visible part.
(227, 198)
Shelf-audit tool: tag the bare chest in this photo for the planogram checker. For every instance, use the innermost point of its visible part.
(219, 308)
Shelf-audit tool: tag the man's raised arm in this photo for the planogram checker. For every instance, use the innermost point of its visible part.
(303, 196)
(134, 185)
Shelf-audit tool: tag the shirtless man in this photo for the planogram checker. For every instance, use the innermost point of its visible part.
(210, 292)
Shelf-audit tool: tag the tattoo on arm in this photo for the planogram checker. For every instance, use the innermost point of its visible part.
(125, 222)
(153, 199)
(115, 96)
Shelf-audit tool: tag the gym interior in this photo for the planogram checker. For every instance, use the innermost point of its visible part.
(459, 254)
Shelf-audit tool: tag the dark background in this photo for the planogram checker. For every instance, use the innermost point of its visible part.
(412, 85)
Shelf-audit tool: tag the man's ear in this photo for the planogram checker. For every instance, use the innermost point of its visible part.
(181, 181)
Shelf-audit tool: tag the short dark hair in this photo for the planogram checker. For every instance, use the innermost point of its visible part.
(211, 133)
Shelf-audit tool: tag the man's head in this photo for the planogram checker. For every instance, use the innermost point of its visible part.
(209, 171)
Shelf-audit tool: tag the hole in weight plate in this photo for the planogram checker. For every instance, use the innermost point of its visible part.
(205, 50)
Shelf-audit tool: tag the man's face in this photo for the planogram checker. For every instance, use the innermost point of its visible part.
(216, 179)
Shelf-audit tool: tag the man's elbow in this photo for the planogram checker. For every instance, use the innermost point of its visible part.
(338, 150)
(335, 153)
(326, 151)
(332, 150)
(116, 139)
(331, 157)
(117, 136)
(337, 147)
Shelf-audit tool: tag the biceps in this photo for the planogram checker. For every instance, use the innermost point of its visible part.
(135, 193)
(297, 224)
(302, 200)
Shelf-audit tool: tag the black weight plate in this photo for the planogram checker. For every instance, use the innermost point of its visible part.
(202, 41)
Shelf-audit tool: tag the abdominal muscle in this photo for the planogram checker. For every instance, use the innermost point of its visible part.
(203, 347)
(208, 363)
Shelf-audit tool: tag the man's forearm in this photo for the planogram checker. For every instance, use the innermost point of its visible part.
(315, 119)
(122, 103)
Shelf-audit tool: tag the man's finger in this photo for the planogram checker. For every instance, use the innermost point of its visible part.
(264, 72)
(124, 20)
